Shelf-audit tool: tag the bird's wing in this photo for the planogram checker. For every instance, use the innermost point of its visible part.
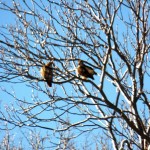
(83, 71)
(90, 70)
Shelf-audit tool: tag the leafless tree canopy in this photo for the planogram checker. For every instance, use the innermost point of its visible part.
(112, 37)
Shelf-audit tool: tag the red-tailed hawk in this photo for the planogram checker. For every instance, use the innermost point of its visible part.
(85, 71)
(47, 73)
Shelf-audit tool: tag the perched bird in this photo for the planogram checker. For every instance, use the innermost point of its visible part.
(85, 71)
(47, 73)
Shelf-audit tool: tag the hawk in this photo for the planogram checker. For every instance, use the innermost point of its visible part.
(85, 71)
(47, 73)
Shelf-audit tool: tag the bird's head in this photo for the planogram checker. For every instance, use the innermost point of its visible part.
(49, 64)
(80, 62)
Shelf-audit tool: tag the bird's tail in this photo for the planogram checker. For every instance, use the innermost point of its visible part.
(49, 83)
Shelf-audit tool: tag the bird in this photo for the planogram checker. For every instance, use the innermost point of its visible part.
(85, 71)
(47, 73)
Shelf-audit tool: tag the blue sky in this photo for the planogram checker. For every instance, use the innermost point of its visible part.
(23, 91)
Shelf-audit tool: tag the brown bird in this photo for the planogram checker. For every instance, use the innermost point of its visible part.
(47, 73)
(85, 71)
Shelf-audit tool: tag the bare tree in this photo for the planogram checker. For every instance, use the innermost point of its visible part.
(7, 141)
(112, 37)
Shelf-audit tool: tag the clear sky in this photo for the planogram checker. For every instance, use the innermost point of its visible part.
(24, 92)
